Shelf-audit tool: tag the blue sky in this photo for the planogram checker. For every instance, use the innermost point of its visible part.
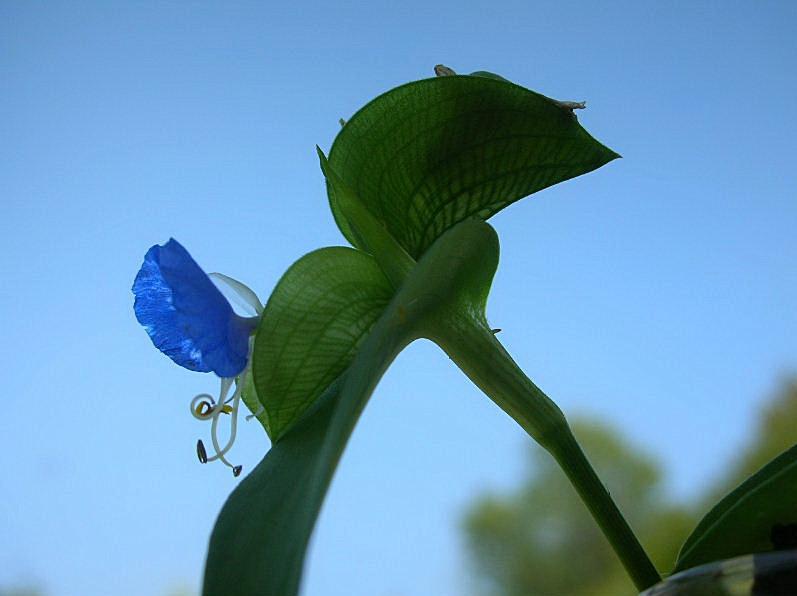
(657, 293)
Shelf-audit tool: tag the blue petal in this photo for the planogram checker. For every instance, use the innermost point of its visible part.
(186, 316)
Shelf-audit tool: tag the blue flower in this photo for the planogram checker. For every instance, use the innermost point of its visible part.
(186, 316)
(190, 320)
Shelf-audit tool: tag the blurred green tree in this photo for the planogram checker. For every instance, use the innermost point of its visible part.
(775, 432)
(541, 541)
(19, 591)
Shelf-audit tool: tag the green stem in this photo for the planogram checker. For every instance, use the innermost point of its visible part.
(571, 458)
(474, 348)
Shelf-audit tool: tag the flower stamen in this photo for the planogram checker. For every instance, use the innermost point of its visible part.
(260, 410)
(204, 407)
(201, 453)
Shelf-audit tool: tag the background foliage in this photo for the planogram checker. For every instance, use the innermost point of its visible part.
(540, 540)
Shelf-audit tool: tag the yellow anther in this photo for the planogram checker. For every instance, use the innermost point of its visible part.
(203, 408)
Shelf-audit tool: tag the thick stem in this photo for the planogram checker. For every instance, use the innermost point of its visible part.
(475, 350)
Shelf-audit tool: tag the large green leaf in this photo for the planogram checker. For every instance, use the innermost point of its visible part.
(314, 320)
(260, 538)
(743, 521)
(259, 541)
(432, 153)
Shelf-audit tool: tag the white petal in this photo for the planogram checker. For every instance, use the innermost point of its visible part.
(242, 292)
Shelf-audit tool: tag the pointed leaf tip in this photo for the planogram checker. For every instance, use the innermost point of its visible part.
(427, 155)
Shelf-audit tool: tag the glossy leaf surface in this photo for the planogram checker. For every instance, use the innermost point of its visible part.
(429, 154)
(743, 521)
(316, 317)
(763, 574)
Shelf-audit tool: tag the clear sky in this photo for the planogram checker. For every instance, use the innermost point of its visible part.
(657, 293)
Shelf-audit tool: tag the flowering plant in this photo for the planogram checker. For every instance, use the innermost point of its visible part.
(412, 179)
(189, 319)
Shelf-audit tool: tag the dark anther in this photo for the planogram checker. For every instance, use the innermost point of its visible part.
(496, 330)
(201, 453)
(236, 471)
(783, 536)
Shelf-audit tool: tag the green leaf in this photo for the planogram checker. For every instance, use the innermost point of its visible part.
(259, 541)
(249, 397)
(371, 234)
(316, 317)
(432, 153)
(761, 574)
(742, 522)
(489, 75)
(260, 538)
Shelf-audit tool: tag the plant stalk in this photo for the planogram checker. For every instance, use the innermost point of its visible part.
(475, 350)
(581, 474)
